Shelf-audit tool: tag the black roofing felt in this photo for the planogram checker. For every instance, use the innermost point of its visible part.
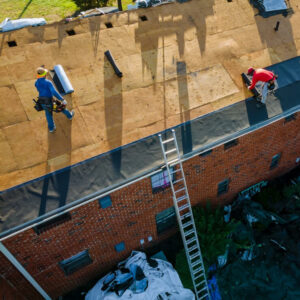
(35, 200)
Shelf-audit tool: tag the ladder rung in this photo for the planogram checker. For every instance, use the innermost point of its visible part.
(175, 160)
(181, 198)
(183, 207)
(202, 282)
(180, 190)
(187, 215)
(198, 276)
(195, 255)
(179, 180)
(170, 151)
(203, 289)
(203, 297)
(200, 269)
(189, 232)
(176, 171)
(189, 241)
(168, 140)
(193, 248)
(187, 224)
(196, 263)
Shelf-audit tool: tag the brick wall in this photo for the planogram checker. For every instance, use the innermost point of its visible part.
(132, 214)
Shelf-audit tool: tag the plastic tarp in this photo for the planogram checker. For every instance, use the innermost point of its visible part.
(8, 24)
(273, 5)
(269, 8)
(265, 262)
(160, 282)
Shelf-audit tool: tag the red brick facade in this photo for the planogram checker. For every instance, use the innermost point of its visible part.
(132, 214)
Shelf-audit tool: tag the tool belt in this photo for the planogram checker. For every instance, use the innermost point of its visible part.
(48, 103)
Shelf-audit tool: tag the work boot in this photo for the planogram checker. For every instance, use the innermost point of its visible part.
(53, 130)
(72, 113)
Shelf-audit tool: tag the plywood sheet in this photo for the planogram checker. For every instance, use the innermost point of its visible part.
(11, 108)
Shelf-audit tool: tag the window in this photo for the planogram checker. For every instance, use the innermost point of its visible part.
(223, 187)
(105, 202)
(275, 161)
(108, 25)
(120, 247)
(76, 262)
(165, 220)
(203, 154)
(161, 180)
(52, 223)
(231, 144)
(290, 118)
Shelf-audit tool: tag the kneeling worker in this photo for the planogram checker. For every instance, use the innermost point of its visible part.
(46, 92)
(267, 77)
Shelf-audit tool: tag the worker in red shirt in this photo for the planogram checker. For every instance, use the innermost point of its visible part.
(267, 77)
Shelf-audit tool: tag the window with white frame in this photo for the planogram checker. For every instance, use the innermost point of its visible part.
(161, 180)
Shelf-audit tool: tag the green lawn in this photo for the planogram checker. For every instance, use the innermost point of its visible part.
(51, 10)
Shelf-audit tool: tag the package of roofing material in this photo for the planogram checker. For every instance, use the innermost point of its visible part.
(140, 278)
(63, 79)
(269, 8)
(113, 63)
(8, 24)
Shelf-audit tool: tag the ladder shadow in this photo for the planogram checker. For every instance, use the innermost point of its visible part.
(183, 95)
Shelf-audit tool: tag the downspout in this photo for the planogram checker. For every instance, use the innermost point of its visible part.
(22, 270)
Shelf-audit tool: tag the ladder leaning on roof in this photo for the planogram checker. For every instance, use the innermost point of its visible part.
(185, 216)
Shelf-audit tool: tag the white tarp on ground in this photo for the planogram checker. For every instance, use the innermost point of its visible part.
(163, 282)
(8, 24)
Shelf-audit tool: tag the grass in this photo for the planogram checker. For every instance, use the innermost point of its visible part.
(125, 3)
(51, 10)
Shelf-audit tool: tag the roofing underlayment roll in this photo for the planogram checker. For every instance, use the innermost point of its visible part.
(113, 63)
(64, 80)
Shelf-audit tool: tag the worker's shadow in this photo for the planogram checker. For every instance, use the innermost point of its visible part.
(256, 112)
(55, 188)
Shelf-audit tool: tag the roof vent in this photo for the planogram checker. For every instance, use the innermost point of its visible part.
(143, 18)
(12, 43)
(71, 32)
(109, 25)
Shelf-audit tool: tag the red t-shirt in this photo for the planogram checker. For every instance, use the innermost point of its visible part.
(261, 75)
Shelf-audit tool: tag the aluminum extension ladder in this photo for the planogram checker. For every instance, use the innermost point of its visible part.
(184, 215)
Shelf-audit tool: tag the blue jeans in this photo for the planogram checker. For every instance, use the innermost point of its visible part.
(49, 115)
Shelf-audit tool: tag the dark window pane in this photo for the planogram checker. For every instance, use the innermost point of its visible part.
(223, 187)
(52, 223)
(165, 220)
(105, 202)
(76, 262)
(290, 118)
(231, 144)
(205, 153)
(120, 247)
(275, 161)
